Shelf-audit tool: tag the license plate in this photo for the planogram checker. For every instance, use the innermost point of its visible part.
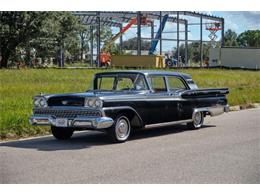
(61, 122)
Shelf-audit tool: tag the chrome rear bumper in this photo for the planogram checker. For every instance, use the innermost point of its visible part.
(78, 122)
(213, 111)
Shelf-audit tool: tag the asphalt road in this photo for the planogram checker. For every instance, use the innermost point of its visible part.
(225, 150)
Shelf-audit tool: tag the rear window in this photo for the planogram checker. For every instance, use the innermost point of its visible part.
(191, 84)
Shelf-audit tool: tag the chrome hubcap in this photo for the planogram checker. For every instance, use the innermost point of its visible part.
(122, 128)
(197, 118)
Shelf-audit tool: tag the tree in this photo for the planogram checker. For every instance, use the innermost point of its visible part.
(131, 44)
(67, 33)
(250, 38)
(48, 33)
(84, 33)
(230, 38)
(18, 28)
(193, 51)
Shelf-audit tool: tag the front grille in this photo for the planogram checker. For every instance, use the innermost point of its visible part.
(65, 113)
(66, 101)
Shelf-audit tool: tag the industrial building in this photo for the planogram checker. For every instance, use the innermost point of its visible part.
(125, 20)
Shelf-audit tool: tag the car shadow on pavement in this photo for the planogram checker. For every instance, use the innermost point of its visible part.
(80, 140)
(155, 132)
(87, 139)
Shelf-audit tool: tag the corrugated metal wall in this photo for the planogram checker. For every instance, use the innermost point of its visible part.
(240, 57)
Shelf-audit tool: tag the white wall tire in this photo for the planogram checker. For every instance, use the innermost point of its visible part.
(121, 129)
(198, 120)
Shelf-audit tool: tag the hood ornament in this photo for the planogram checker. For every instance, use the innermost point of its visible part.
(64, 102)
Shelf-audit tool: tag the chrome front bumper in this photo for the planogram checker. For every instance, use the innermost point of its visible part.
(78, 122)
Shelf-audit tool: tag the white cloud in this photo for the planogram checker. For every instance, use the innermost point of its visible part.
(241, 21)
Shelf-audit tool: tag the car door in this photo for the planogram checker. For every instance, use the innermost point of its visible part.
(178, 108)
(157, 100)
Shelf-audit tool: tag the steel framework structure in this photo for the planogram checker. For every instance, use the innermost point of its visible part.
(95, 19)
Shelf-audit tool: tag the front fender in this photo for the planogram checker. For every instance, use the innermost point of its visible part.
(113, 112)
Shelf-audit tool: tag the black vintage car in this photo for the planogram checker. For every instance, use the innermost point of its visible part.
(125, 100)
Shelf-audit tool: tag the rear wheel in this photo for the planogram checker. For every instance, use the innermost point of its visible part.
(121, 129)
(197, 122)
(61, 133)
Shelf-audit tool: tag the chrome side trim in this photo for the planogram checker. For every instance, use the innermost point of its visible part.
(167, 98)
(167, 123)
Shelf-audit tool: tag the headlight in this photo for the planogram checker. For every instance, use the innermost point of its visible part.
(93, 102)
(36, 102)
(40, 102)
(98, 103)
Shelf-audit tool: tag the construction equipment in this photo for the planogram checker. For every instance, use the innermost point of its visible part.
(105, 57)
(158, 35)
(170, 61)
(213, 28)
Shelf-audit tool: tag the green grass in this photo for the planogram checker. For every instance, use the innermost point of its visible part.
(19, 86)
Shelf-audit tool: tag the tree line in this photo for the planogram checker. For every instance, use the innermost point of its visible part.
(44, 35)
(249, 38)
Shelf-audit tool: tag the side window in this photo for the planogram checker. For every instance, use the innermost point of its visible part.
(140, 83)
(105, 83)
(158, 83)
(175, 83)
(124, 84)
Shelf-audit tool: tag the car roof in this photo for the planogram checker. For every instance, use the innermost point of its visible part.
(149, 72)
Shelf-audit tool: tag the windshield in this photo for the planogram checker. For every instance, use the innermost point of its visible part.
(120, 82)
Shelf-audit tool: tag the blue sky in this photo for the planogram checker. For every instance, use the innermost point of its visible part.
(239, 21)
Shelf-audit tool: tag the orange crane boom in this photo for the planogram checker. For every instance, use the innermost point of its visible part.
(116, 36)
(105, 57)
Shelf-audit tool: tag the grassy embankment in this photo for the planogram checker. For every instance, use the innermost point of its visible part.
(19, 86)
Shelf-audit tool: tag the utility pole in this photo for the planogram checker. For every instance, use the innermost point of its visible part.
(98, 39)
(139, 33)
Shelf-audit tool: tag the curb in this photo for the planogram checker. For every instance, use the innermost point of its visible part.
(243, 107)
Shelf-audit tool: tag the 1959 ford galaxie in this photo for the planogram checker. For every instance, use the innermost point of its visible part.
(125, 100)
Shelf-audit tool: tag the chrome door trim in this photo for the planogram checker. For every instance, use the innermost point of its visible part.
(167, 123)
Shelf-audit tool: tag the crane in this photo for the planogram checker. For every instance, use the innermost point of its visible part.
(158, 35)
(105, 57)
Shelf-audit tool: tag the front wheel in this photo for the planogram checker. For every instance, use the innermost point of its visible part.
(197, 122)
(121, 129)
(61, 133)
